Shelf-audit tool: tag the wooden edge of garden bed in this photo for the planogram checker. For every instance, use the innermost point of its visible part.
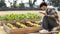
(21, 30)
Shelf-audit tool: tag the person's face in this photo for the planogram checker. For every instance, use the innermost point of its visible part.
(44, 8)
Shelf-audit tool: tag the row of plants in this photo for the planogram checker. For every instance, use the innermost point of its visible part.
(22, 25)
(27, 16)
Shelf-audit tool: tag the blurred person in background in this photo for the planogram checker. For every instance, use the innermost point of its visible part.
(50, 18)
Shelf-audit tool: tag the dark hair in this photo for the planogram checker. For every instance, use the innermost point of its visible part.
(43, 4)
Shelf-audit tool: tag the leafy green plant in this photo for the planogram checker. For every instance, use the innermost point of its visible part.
(27, 16)
(21, 16)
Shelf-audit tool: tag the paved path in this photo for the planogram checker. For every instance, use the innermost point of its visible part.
(2, 30)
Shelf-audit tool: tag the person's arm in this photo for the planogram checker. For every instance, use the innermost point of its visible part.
(52, 13)
(53, 16)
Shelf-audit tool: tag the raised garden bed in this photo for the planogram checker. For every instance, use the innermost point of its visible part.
(21, 23)
(21, 30)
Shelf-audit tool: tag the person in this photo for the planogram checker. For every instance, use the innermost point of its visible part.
(50, 18)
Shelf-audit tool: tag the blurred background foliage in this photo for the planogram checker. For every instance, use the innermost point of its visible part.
(27, 4)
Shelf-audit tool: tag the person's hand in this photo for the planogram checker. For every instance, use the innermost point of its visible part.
(54, 29)
(43, 13)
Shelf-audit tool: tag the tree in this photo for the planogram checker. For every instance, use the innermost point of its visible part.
(14, 3)
(21, 5)
(34, 2)
(10, 3)
(31, 4)
(54, 2)
(2, 4)
(43, 0)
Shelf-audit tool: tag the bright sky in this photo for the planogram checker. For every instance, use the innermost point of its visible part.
(24, 1)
